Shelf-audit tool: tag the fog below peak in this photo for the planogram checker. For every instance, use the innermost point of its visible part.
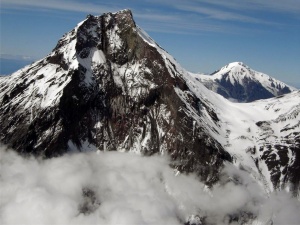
(125, 188)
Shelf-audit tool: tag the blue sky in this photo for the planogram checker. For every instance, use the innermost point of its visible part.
(203, 35)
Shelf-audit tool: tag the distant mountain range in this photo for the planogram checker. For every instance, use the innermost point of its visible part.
(107, 85)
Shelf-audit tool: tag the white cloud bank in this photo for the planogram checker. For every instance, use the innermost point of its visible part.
(122, 188)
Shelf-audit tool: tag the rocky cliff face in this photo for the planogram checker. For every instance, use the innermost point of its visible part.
(107, 85)
(278, 145)
(237, 82)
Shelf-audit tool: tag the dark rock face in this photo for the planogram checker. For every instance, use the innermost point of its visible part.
(89, 202)
(106, 86)
(282, 157)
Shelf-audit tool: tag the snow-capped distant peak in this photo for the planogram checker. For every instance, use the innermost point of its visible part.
(235, 65)
(239, 82)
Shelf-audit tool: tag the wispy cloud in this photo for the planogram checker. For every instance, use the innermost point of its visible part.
(153, 19)
(221, 14)
(16, 57)
(180, 17)
(246, 12)
(59, 5)
(290, 6)
(156, 17)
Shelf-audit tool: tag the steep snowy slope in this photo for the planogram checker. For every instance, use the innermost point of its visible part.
(107, 85)
(237, 82)
(263, 137)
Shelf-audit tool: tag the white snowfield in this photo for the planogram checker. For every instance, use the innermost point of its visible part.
(237, 129)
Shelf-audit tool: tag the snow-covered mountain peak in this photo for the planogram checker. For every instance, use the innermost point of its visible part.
(89, 33)
(106, 85)
(235, 71)
(238, 82)
(233, 65)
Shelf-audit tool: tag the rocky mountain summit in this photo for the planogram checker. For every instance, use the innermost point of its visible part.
(238, 82)
(107, 85)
